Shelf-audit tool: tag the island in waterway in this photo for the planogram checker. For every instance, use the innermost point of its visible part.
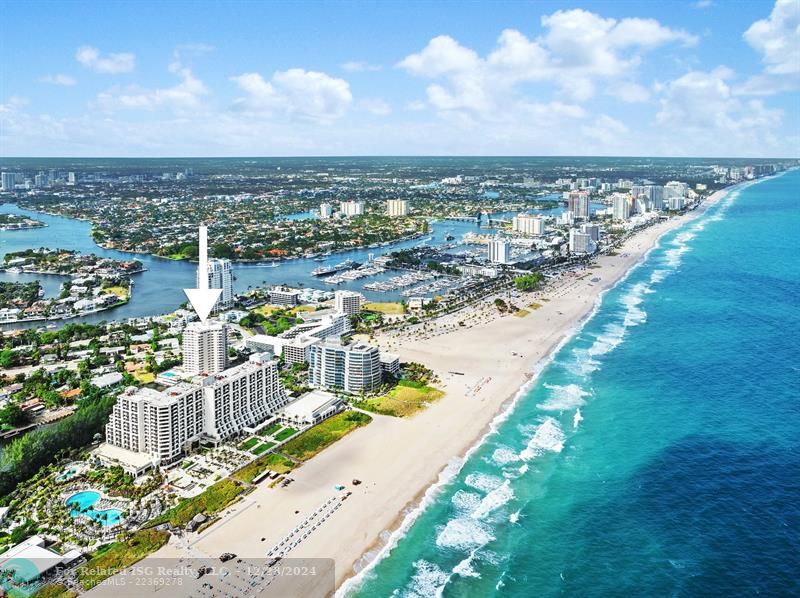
(92, 284)
(17, 222)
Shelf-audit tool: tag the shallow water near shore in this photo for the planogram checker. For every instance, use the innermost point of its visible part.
(659, 452)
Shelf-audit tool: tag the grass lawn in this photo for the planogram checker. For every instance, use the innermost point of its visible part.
(284, 434)
(296, 310)
(314, 440)
(55, 590)
(265, 310)
(120, 292)
(403, 400)
(262, 448)
(248, 444)
(144, 377)
(212, 500)
(270, 431)
(521, 313)
(272, 462)
(395, 308)
(119, 555)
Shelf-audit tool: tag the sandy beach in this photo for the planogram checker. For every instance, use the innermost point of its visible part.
(481, 364)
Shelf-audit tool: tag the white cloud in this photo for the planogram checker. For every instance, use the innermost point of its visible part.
(356, 66)
(59, 79)
(699, 110)
(185, 95)
(90, 57)
(184, 51)
(628, 92)
(578, 49)
(704, 4)
(777, 39)
(376, 106)
(306, 95)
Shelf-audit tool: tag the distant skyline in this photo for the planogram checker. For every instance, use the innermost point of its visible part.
(613, 78)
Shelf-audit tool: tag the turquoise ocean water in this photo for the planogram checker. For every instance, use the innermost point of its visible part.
(658, 454)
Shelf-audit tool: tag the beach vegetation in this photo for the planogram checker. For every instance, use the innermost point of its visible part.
(404, 400)
(316, 439)
(389, 308)
(528, 282)
(119, 555)
(212, 500)
(273, 462)
(54, 590)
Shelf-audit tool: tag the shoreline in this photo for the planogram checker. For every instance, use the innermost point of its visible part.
(404, 462)
(381, 547)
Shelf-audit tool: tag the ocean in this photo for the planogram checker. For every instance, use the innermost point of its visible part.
(658, 453)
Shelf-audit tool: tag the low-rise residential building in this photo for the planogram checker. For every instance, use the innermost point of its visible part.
(311, 408)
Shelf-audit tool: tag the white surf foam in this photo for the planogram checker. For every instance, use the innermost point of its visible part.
(514, 517)
(428, 580)
(563, 398)
(466, 502)
(464, 533)
(494, 500)
(483, 481)
(549, 437)
(504, 455)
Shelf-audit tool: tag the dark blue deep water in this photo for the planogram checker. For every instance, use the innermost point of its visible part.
(659, 453)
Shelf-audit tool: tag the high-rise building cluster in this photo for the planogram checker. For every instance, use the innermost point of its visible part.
(149, 427)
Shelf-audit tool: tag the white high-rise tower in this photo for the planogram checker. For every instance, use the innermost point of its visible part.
(220, 276)
(205, 347)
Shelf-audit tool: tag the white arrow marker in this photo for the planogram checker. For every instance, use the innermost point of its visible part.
(203, 298)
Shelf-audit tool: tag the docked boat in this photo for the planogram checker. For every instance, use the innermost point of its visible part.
(325, 270)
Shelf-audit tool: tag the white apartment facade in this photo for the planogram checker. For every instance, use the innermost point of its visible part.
(528, 224)
(397, 207)
(241, 397)
(499, 251)
(220, 276)
(353, 368)
(205, 348)
(352, 208)
(347, 302)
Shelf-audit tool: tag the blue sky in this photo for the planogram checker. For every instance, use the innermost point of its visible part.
(693, 78)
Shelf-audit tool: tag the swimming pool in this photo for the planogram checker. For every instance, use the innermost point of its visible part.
(82, 502)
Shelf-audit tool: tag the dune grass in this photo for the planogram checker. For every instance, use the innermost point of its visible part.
(404, 400)
(316, 439)
(273, 462)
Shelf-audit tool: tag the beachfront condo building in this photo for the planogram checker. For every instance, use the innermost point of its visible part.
(347, 302)
(528, 224)
(157, 424)
(397, 207)
(205, 348)
(352, 208)
(325, 211)
(593, 230)
(150, 428)
(241, 397)
(352, 368)
(499, 251)
(578, 204)
(220, 276)
(621, 206)
(580, 242)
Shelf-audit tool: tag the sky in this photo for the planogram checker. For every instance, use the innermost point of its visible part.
(709, 78)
